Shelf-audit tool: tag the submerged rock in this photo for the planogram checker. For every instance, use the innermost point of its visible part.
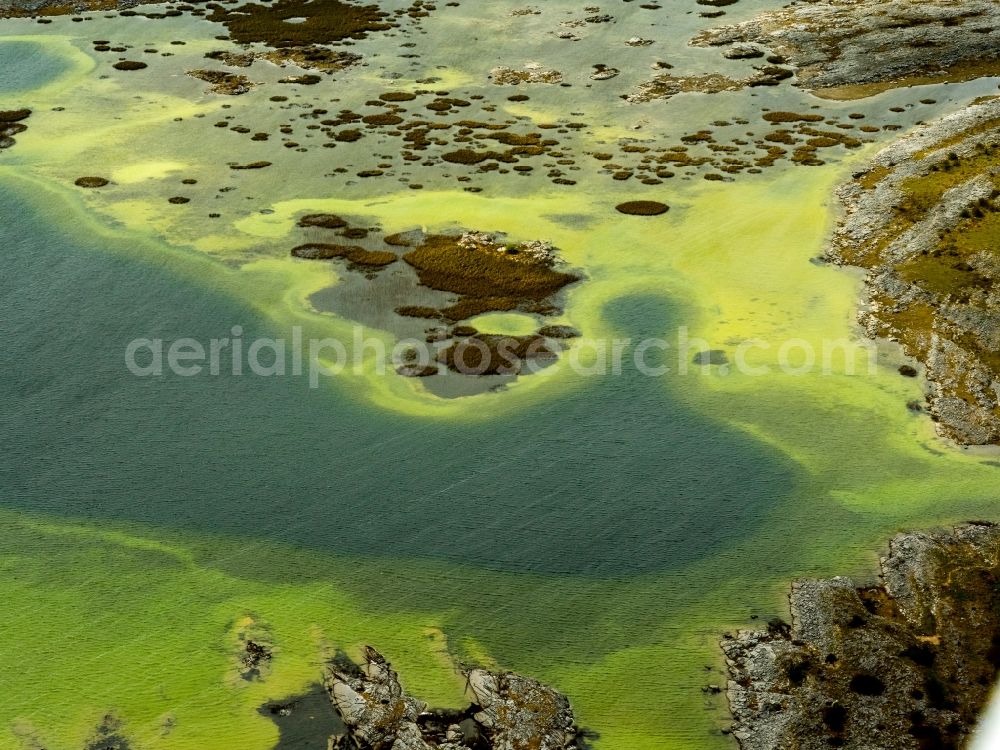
(905, 664)
(108, 735)
(511, 712)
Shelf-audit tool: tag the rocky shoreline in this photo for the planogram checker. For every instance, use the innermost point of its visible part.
(905, 664)
(510, 712)
(923, 220)
(850, 48)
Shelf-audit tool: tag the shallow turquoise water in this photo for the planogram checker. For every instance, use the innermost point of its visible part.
(27, 65)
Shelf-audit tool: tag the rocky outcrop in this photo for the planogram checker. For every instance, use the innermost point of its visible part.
(666, 86)
(510, 712)
(905, 664)
(841, 43)
(923, 220)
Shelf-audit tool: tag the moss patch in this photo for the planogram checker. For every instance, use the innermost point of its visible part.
(324, 23)
(91, 182)
(323, 221)
(487, 280)
(486, 354)
(352, 253)
(642, 208)
(14, 115)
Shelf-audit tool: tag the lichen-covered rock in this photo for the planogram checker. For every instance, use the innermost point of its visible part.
(518, 712)
(850, 42)
(903, 665)
(372, 703)
(922, 219)
(511, 712)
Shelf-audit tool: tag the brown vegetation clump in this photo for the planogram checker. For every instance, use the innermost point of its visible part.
(352, 253)
(251, 165)
(313, 57)
(642, 208)
(485, 279)
(14, 115)
(129, 65)
(778, 117)
(323, 221)
(91, 182)
(397, 96)
(326, 22)
(419, 311)
(488, 354)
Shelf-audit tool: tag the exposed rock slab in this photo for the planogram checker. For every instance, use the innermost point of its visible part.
(511, 712)
(906, 664)
(846, 43)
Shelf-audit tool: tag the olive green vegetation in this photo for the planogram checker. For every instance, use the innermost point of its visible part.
(397, 96)
(230, 84)
(324, 23)
(313, 56)
(323, 221)
(14, 115)
(776, 117)
(91, 182)
(352, 253)
(485, 354)
(11, 125)
(251, 165)
(487, 281)
(642, 208)
(129, 65)
(419, 311)
(950, 284)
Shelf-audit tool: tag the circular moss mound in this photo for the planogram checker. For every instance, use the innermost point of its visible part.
(129, 65)
(642, 208)
(397, 96)
(91, 182)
